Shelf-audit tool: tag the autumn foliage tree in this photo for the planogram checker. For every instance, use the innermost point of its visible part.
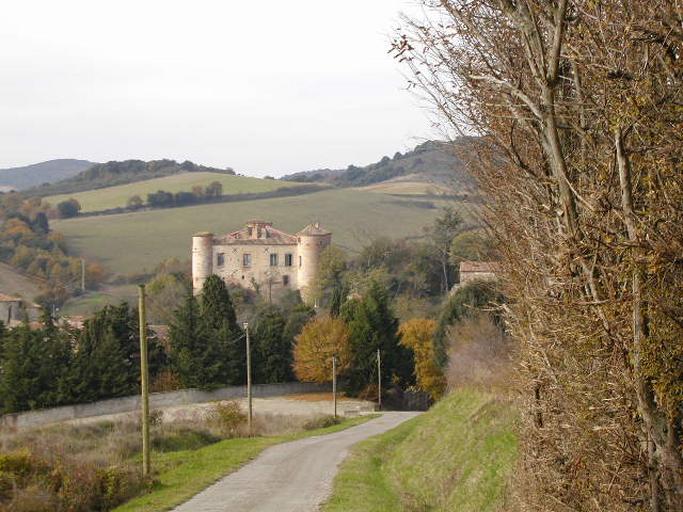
(418, 335)
(321, 339)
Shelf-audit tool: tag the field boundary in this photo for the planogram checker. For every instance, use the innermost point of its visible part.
(286, 191)
(30, 419)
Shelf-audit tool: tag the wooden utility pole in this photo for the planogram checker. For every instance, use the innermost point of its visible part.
(83, 274)
(379, 380)
(334, 384)
(249, 417)
(144, 378)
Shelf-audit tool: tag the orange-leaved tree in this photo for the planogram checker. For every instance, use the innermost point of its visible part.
(321, 339)
(418, 335)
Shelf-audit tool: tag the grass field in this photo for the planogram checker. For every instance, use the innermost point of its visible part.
(18, 285)
(458, 456)
(135, 242)
(182, 474)
(399, 188)
(114, 197)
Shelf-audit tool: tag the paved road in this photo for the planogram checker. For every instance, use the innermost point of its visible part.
(289, 477)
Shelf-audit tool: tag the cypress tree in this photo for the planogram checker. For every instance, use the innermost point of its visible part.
(272, 349)
(373, 326)
(225, 352)
(187, 337)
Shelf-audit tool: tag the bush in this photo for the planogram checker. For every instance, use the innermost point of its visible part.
(321, 422)
(227, 417)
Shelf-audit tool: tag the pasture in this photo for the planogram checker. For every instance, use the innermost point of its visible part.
(114, 197)
(137, 242)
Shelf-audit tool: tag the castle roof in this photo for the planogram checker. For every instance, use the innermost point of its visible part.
(313, 230)
(261, 234)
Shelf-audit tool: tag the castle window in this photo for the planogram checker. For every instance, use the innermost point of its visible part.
(220, 259)
(273, 260)
(288, 260)
(285, 280)
(300, 261)
(246, 260)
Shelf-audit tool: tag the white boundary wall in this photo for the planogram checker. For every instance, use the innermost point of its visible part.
(29, 419)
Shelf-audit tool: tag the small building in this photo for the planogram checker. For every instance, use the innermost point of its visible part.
(478, 270)
(261, 257)
(14, 310)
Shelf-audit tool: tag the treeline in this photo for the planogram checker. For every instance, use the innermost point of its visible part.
(163, 199)
(119, 173)
(27, 243)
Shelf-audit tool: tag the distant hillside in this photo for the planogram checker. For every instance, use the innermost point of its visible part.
(120, 173)
(20, 178)
(434, 162)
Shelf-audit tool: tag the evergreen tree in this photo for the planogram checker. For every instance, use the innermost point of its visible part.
(187, 338)
(372, 326)
(20, 380)
(272, 350)
(225, 350)
(107, 361)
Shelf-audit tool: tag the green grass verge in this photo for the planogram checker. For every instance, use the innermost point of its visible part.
(458, 456)
(114, 197)
(182, 474)
(137, 242)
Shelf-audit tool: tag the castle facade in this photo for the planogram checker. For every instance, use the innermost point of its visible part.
(261, 257)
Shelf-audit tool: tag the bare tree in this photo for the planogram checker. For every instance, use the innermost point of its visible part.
(577, 105)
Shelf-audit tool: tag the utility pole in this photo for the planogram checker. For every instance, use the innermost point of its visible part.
(83, 275)
(334, 384)
(379, 379)
(144, 378)
(249, 417)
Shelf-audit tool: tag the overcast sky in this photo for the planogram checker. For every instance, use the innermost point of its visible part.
(263, 86)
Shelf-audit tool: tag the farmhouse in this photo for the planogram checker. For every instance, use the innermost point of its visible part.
(261, 257)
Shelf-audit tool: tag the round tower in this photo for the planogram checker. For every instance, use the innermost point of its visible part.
(311, 241)
(202, 259)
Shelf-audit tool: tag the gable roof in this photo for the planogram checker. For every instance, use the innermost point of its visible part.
(269, 236)
(480, 266)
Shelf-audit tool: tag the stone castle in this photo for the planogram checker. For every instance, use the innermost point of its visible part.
(261, 257)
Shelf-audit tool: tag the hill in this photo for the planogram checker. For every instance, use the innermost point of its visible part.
(134, 242)
(18, 285)
(431, 162)
(457, 456)
(120, 173)
(117, 196)
(20, 178)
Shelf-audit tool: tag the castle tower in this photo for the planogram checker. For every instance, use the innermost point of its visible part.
(311, 241)
(202, 259)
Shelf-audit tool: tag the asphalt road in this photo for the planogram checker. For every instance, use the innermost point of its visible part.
(289, 477)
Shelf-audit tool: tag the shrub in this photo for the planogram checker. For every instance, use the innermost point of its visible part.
(227, 417)
(321, 422)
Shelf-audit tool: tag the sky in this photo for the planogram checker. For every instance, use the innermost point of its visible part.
(265, 87)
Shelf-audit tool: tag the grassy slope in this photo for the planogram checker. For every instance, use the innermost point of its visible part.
(113, 197)
(183, 474)
(137, 241)
(16, 284)
(457, 457)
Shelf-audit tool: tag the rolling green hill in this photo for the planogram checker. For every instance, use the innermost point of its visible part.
(134, 242)
(114, 197)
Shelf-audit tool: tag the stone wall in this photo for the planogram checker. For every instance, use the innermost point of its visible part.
(261, 271)
(38, 418)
